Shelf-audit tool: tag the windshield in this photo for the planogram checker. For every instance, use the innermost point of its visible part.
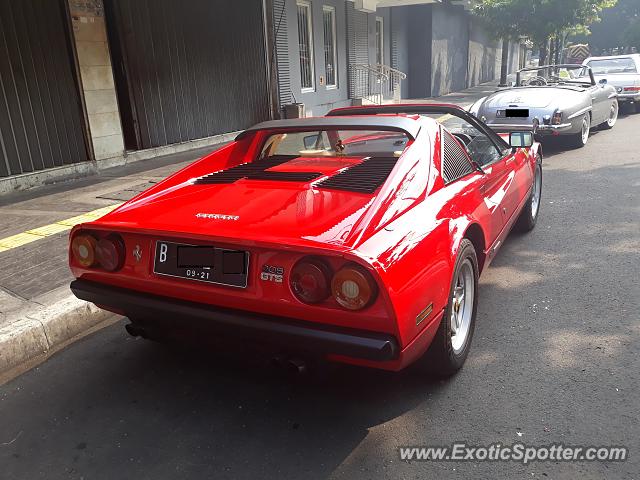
(613, 65)
(334, 143)
(551, 75)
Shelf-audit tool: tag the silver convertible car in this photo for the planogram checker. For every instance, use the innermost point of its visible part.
(551, 100)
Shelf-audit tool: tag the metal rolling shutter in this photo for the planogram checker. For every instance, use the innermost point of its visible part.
(282, 51)
(41, 119)
(357, 45)
(196, 67)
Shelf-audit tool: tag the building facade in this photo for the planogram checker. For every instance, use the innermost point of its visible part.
(86, 84)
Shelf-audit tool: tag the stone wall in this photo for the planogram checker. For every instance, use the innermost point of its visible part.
(484, 56)
(89, 30)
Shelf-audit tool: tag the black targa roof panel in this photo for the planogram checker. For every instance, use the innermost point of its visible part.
(408, 126)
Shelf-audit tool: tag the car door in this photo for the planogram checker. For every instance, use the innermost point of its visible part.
(498, 186)
(600, 102)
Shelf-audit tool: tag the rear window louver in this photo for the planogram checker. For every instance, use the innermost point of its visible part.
(258, 171)
(366, 177)
(455, 163)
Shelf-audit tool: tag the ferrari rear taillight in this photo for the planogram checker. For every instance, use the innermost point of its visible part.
(310, 280)
(353, 288)
(632, 89)
(110, 253)
(90, 251)
(83, 248)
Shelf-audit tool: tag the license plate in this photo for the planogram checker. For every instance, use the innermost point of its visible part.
(517, 113)
(203, 263)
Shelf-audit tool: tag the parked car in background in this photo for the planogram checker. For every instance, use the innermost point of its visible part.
(356, 238)
(551, 100)
(621, 72)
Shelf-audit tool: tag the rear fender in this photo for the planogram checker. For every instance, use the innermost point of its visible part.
(466, 227)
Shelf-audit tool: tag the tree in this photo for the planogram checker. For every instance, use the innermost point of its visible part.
(540, 20)
(631, 35)
(616, 28)
(503, 21)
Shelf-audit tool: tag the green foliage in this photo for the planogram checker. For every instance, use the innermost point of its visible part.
(616, 28)
(631, 35)
(540, 19)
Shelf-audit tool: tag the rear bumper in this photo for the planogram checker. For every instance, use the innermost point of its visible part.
(320, 339)
(541, 129)
(628, 97)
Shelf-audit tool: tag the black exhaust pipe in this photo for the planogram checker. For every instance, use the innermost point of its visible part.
(134, 330)
(292, 365)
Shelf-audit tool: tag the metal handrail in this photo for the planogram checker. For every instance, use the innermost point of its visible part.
(372, 82)
(390, 71)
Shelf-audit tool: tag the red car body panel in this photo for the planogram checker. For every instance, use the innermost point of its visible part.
(406, 234)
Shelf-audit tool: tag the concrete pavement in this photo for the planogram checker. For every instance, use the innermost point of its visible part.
(554, 359)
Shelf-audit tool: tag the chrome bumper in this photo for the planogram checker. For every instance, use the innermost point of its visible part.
(629, 97)
(512, 127)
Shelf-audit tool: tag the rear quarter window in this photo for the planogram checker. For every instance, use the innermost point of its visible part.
(455, 161)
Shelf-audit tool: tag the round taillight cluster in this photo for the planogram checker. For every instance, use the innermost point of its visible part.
(83, 248)
(310, 281)
(352, 287)
(107, 252)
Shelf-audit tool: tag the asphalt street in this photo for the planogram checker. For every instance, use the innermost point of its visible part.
(554, 359)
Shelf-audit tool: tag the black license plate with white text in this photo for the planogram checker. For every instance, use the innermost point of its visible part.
(204, 263)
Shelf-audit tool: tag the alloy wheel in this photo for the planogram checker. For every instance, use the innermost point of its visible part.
(462, 306)
(536, 194)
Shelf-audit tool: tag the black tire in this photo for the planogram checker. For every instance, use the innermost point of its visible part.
(577, 140)
(528, 217)
(441, 359)
(636, 107)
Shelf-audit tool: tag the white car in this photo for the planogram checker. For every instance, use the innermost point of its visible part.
(623, 73)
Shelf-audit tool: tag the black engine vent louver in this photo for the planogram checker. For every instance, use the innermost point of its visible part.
(366, 177)
(258, 171)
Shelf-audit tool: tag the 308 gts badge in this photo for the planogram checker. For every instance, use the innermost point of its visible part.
(270, 273)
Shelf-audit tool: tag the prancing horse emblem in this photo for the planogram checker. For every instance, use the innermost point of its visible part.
(137, 252)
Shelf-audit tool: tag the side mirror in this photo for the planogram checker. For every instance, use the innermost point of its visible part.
(603, 82)
(521, 139)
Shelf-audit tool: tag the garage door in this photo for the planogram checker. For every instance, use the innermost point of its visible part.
(41, 120)
(193, 68)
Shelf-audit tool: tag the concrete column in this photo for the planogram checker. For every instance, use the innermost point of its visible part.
(90, 35)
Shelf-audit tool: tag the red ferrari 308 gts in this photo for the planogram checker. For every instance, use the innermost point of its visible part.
(357, 237)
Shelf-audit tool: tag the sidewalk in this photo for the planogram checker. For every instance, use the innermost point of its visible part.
(38, 313)
(464, 98)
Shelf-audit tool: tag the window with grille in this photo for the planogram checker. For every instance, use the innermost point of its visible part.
(330, 52)
(305, 44)
(455, 161)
